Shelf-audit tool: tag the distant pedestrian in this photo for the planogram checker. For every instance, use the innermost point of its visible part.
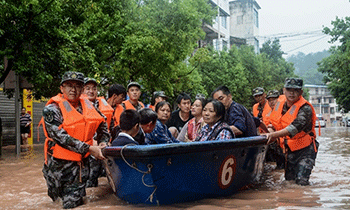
(25, 121)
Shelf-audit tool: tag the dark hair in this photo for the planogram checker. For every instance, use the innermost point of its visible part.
(128, 119)
(147, 116)
(182, 96)
(24, 108)
(161, 104)
(116, 89)
(202, 100)
(219, 108)
(224, 90)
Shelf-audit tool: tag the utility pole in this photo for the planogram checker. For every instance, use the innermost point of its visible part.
(17, 101)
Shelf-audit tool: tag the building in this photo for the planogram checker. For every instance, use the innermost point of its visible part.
(218, 34)
(324, 104)
(244, 21)
(237, 23)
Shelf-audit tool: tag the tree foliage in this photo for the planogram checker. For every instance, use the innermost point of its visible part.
(111, 40)
(337, 65)
(306, 66)
(241, 70)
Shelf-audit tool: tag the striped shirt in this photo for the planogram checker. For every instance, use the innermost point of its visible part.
(24, 119)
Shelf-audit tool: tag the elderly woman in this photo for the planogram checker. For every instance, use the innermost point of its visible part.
(193, 127)
(161, 134)
(216, 129)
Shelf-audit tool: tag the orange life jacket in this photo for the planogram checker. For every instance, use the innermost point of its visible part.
(106, 109)
(300, 140)
(128, 105)
(274, 116)
(79, 126)
(266, 111)
(152, 107)
(117, 112)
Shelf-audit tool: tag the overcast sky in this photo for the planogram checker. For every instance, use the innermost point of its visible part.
(301, 20)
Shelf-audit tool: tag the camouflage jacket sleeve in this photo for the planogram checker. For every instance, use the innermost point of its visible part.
(53, 119)
(303, 121)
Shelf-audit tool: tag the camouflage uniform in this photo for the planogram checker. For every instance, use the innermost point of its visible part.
(96, 166)
(299, 163)
(67, 179)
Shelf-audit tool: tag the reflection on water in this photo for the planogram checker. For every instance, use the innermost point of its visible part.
(23, 186)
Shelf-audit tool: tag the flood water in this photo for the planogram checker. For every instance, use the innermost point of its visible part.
(22, 185)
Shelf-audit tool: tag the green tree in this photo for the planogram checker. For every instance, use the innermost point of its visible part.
(272, 49)
(306, 66)
(43, 39)
(242, 70)
(278, 68)
(337, 65)
(111, 40)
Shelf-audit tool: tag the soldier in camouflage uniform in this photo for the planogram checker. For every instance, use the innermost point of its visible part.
(96, 165)
(294, 120)
(69, 141)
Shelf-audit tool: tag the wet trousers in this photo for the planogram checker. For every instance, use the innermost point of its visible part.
(96, 170)
(275, 154)
(300, 163)
(66, 180)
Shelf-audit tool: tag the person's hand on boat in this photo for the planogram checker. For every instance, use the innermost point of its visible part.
(270, 138)
(97, 152)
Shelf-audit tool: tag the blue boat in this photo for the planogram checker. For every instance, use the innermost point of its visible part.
(172, 173)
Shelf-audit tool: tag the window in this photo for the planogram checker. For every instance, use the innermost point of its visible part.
(256, 45)
(316, 89)
(216, 19)
(332, 110)
(325, 109)
(240, 19)
(217, 44)
(224, 45)
(224, 21)
(256, 18)
(330, 100)
(319, 100)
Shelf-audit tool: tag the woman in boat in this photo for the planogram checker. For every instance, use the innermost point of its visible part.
(161, 134)
(193, 127)
(216, 129)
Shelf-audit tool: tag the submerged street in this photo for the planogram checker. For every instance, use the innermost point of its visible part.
(23, 186)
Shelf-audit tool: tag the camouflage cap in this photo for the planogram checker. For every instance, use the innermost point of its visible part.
(258, 91)
(72, 76)
(273, 94)
(157, 94)
(134, 84)
(88, 79)
(295, 83)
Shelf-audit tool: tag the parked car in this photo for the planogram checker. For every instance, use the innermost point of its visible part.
(320, 121)
(348, 123)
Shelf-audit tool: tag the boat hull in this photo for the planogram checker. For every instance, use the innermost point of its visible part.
(172, 173)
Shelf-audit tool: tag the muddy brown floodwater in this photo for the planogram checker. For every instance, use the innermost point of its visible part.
(22, 185)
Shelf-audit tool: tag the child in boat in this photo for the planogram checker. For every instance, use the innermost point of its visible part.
(129, 125)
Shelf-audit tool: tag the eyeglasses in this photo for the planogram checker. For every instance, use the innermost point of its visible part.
(71, 86)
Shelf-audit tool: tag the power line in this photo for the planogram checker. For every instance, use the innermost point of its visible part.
(302, 38)
(307, 44)
(287, 35)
